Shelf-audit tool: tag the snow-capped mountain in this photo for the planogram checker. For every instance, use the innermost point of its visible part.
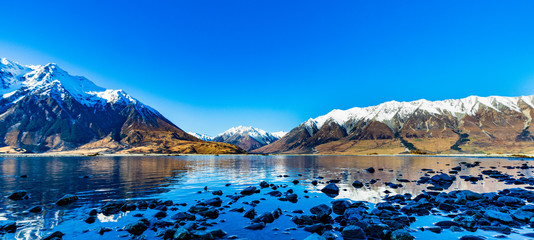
(279, 134)
(473, 122)
(18, 81)
(201, 136)
(248, 138)
(44, 108)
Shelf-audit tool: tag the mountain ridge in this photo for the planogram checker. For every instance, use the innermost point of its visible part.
(248, 138)
(44, 108)
(425, 126)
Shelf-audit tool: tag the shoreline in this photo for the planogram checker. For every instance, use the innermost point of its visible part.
(60, 154)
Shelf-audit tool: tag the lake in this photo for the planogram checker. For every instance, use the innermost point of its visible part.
(183, 179)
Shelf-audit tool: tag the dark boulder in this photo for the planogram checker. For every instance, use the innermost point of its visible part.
(331, 190)
(19, 195)
(137, 228)
(357, 184)
(66, 199)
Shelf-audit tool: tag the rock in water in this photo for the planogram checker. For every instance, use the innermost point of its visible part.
(216, 202)
(339, 206)
(8, 227)
(250, 213)
(217, 233)
(35, 209)
(321, 211)
(315, 236)
(264, 184)
(357, 184)
(331, 189)
(137, 228)
(181, 233)
(353, 233)
(182, 216)
(211, 213)
(248, 191)
(111, 208)
(401, 234)
(472, 237)
(66, 199)
(499, 216)
(256, 226)
(19, 195)
(54, 236)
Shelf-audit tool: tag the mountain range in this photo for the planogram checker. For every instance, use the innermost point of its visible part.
(469, 125)
(247, 138)
(45, 109)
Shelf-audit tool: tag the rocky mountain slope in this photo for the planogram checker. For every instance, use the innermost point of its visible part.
(469, 125)
(45, 109)
(247, 138)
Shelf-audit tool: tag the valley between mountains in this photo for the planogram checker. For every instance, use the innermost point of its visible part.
(45, 109)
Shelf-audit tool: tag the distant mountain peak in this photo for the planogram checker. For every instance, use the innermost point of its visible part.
(201, 136)
(246, 137)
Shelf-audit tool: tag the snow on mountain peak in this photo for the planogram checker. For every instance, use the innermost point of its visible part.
(201, 136)
(259, 135)
(279, 134)
(43, 79)
(389, 111)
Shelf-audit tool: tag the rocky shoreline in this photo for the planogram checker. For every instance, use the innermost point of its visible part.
(502, 212)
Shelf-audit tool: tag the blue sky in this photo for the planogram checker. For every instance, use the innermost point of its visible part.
(212, 65)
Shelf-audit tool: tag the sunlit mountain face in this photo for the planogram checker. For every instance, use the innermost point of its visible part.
(469, 125)
(44, 108)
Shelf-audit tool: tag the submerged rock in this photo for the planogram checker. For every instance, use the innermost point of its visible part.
(353, 233)
(183, 216)
(66, 199)
(401, 234)
(211, 213)
(248, 191)
(137, 228)
(8, 227)
(472, 237)
(264, 184)
(111, 208)
(128, 207)
(55, 235)
(181, 234)
(216, 202)
(250, 214)
(19, 195)
(35, 209)
(90, 220)
(315, 236)
(499, 216)
(256, 226)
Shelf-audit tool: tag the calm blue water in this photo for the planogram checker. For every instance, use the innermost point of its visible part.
(97, 180)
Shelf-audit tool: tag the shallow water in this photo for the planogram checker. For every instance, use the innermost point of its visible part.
(99, 179)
